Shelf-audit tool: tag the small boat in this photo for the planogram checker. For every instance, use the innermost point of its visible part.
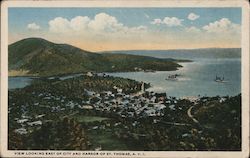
(172, 77)
(220, 79)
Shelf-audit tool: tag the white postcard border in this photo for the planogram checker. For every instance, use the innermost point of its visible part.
(112, 3)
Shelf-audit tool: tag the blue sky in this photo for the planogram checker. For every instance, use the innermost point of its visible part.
(20, 18)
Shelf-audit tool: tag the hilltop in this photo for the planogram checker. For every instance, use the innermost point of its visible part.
(39, 57)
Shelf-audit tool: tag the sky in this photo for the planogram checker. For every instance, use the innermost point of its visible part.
(104, 29)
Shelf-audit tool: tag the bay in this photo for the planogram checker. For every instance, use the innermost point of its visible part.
(196, 78)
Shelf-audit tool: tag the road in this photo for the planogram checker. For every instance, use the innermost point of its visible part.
(190, 114)
(174, 123)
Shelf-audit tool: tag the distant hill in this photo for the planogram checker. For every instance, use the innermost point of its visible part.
(39, 57)
(186, 53)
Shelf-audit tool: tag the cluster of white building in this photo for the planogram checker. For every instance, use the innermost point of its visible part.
(123, 104)
(27, 121)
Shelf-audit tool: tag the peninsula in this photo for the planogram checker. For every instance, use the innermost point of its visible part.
(39, 57)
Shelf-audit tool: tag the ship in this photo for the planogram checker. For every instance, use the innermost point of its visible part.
(220, 79)
(172, 77)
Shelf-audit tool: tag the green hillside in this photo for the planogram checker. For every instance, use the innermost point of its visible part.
(39, 57)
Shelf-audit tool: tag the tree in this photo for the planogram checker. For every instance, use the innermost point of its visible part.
(64, 134)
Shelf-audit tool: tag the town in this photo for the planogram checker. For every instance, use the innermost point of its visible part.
(112, 113)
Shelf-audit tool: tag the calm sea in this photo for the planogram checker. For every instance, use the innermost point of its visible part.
(196, 78)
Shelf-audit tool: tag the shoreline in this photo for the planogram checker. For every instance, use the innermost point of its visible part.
(186, 97)
(157, 110)
(69, 74)
(149, 89)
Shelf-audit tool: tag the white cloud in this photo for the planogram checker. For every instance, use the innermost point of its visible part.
(169, 21)
(104, 31)
(141, 27)
(192, 29)
(79, 23)
(172, 21)
(138, 29)
(33, 26)
(59, 24)
(101, 23)
(223, 25)
(156, 22)
(193, 16)
(105, 22)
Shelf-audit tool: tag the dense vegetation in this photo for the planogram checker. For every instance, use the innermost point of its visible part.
(219, 128)
(57, 107)
(65, 134)
(43, 58)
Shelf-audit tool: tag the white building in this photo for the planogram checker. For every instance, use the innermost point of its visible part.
(143, 87)
(35, 123)
(21, 131)
(22, 120)
(90, 74)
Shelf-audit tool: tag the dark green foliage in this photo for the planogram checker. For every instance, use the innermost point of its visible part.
(219, 126)
(123, 62)
(224, 119)
(63, 134)
(44, 58)
(15, 140)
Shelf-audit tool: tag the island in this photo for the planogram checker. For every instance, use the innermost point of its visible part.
(39, 57)
(95, 111)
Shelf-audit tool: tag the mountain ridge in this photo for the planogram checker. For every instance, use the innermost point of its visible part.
(200, 53)
(39, 57)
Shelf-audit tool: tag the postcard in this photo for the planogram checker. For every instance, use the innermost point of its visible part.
(125, 79)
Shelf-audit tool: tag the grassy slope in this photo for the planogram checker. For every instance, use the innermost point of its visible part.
(43, 58)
